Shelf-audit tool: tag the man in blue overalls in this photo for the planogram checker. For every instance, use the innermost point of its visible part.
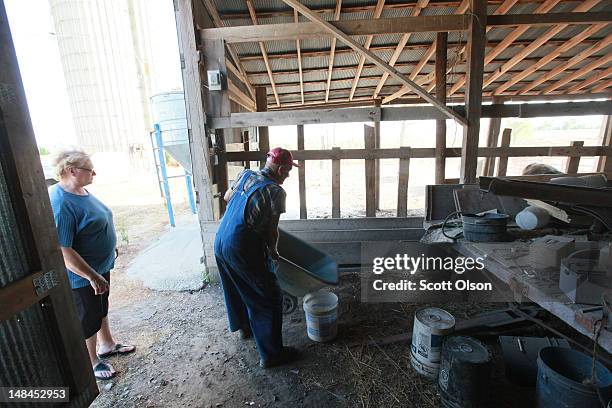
(246, 254)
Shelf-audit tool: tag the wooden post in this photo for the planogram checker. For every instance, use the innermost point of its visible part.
(441, 51)
(261, 102)
(302, 174)
(605, 162)
(377, 103)
(473, 89)
(502, 164)
(194, 102)
(573, 162)
(218, 104)
(492, 140)
(335, 184)
(402, 182)
(246, 143)
(369, 142)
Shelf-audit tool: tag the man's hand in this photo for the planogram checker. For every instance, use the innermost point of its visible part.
(98, 283)
(274, 255)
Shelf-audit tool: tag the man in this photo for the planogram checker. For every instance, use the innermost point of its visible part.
(246, 253)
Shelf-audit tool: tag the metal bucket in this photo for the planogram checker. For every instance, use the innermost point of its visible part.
(563, 375)
(430, 326)
(488, 227)
(465, 373)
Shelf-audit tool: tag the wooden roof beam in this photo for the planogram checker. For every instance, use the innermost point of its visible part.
(375, 59)
(602, 87)
(568, 45)
(377, 12)
(400, 46)
(537, 43)
(332, 50)
(505, 43)
(264, 53)
(503, 8)
(212, 11)
(590, 80)
(579, 73)
(299, 59)
(600, 45)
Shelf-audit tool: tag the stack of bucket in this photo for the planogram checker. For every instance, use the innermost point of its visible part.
(430, 326)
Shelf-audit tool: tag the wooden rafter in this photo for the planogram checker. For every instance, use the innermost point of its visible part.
(502, 9)
(579, 73)
(332, 50)
(375, 59)
(212, 11)
(420, 5)
(377, 12)
(505, 43)
(536, 44)
(299, 59)
(264, 53)
(581, 56)
(603, 86)
(549, 57)
(590, 80)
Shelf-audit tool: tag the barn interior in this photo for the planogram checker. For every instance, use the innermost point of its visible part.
(531, 327)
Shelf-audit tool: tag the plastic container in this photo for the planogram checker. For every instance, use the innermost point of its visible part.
(430, 326)
(321, 310)
(488, 227)
(466, 372)
(532, 218)
(563, 380)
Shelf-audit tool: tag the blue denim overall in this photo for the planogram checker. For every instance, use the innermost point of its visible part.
(250, 287)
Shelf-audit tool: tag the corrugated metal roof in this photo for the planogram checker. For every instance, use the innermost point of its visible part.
(345, 61)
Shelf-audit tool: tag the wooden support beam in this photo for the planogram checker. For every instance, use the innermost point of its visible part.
(294, 31)
(302, 174)
(581, 56)
(332, 51)
(536, 44)
(263, 135)
(368, 43)
(473, 96)
(264, 53)
(335, 185)
(212, 11)
(196, 117)
(590, 80)
(299, 58)
(492, 140)
(573, 162)
(441, 66)
(246, 146)
(235, 94)
(502, 163)
(377, 136)
(369, 143)
(429, 152)
(375, 59)
(506, 42)
(419, 6)
(579, 73)
(568, 45)
(605, 162)
(601, 87)
(534, 20)
(402, 182)
(374, 114)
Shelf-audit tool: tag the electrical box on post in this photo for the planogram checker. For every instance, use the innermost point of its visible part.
(215, 80)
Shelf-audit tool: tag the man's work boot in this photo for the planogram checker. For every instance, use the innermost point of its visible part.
(246, 333)
(287, 355)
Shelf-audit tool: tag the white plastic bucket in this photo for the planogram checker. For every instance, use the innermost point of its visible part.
(430, 326)
(321, 316)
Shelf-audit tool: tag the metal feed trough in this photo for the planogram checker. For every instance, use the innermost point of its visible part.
(302, 269)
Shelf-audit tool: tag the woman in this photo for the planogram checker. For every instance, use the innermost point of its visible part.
(87, 240)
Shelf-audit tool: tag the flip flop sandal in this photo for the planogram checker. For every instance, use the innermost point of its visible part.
(102, 366)
(117, 351)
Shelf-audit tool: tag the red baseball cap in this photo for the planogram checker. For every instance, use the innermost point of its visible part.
(282, 157)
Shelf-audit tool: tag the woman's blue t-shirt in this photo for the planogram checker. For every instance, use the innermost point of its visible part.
(85, 225)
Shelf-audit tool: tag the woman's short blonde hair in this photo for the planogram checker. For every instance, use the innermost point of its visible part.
(69, 158)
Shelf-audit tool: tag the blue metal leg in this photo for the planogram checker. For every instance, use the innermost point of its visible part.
(162, 165)
(190, 192)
